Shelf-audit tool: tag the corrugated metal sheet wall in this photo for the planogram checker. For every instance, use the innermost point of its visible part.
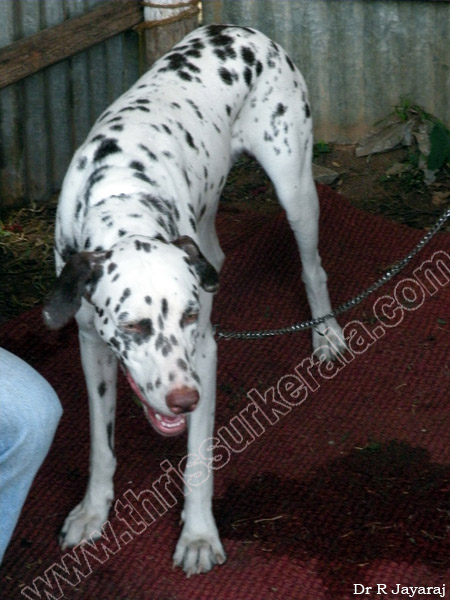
(357, 56)
(47, 115)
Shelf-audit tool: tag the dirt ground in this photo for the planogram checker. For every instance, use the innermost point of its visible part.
(26, 236)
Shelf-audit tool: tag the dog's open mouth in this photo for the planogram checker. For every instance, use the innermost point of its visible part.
(163, 424)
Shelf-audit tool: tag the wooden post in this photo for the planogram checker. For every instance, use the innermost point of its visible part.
(177, 18)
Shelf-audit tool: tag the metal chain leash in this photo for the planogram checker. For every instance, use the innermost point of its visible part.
(387, 276)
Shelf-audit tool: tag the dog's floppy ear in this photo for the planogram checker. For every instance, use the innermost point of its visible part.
(78, 277)
(209, 278)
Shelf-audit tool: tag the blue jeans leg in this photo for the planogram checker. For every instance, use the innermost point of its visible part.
(29, 415)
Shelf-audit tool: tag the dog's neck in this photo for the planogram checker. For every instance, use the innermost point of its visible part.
(125, 215)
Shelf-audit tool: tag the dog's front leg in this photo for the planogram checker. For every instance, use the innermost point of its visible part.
(100, 368)
(199, 547)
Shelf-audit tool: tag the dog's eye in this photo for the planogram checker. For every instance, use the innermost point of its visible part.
(131, 327)
(142, 327)
(190, 317)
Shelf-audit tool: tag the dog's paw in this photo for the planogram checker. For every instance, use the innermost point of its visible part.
(82, 523)
(328, 341)
(198, 554)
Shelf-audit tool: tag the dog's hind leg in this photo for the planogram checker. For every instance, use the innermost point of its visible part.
(285, 155)
(100, 368)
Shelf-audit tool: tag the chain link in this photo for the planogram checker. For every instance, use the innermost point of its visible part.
(342, 308)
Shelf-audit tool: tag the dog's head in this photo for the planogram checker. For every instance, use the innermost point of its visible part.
(146, 307)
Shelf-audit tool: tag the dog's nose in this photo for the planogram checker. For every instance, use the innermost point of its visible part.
(182, 400)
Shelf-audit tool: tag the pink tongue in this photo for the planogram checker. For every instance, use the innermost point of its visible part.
(163, 424)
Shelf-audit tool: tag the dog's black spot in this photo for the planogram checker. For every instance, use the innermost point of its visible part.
(101, 389)
(148, 300)
(135, 164)
(213, 30)
(94, 178)
(226, 76)
(87, 243)
(197, 44)
(182, 364)
(110, 433)
(148, 152)
(193, 224)
(248, 75)
(122, 232)
(78, 208)
(221, 39)
(290, 63)
(190, 140)
(228, 109)
(196, 109)
(259, 68)
(307, 110)
(248, 56)
(143, 101)
(193, 52)
(125, 294)
(184, 76)
(114, 342)
(116, 128)
(104, 115)
(280, 110)
(146, 327)
(176, 61)
(145, 246)
(164, 308)
(163, 344)
(224, 53)
(275, 47)
(186, 177)
(82, 163)
(144, 177)
(107, 147)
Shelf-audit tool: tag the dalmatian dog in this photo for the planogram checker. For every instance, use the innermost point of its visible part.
(137, 253)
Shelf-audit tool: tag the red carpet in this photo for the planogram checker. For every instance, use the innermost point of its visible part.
(350, 487)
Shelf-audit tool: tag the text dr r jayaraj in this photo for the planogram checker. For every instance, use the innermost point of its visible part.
(382, 589)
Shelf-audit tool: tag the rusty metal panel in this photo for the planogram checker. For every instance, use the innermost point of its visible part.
(358, 56)
(47, 115)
